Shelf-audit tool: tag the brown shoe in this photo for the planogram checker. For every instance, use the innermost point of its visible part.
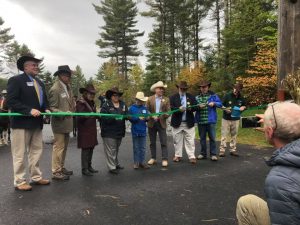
(193, 161)
(176, 159)
(234, 154)
(40, 182)
(23, 187)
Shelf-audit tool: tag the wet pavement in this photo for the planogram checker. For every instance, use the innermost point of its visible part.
(205, 193)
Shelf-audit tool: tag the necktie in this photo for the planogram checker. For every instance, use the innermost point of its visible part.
(37, 89)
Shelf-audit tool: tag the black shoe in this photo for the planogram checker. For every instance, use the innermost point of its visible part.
(234, 154)
(60, 176)
(67, 172)
(86, 172)
(92, 170)
(114, 171)
(119, 167)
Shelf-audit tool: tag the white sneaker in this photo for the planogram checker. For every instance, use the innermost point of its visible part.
(214, 158)
(151, 162)
(199, 157)
(164, 163)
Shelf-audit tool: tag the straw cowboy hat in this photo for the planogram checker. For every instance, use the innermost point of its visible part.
(204, 83)
(65, 69)
(89, 88)
(182, 85)
(141, 96)
(113, 90)
(158, 84)
(25, 58)
(4, 91)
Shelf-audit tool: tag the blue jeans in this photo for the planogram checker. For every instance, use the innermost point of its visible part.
(209, 129)
(139, 148)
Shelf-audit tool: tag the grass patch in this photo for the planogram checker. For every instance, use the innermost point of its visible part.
(245, 135)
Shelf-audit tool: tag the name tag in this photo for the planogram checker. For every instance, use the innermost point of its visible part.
(144, 111)
(29, 84)
(63, 95)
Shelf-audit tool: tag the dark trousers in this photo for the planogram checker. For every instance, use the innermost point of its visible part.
(162, 138)
(209, 129)
(86, 157)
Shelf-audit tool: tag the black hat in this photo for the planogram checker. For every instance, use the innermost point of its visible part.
(113, 90)
(25, 58)
(88, 88)
(182, 85)
(63, 69)
(204, 83)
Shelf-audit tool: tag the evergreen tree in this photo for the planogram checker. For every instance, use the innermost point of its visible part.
(5, 37)
(48, 80)
(119, 37)
(78, 80)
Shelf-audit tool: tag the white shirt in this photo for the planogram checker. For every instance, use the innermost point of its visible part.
(65, 88)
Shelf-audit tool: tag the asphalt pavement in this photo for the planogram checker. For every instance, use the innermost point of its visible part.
(183, 194)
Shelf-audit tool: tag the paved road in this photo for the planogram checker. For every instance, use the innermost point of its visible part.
(182, 194)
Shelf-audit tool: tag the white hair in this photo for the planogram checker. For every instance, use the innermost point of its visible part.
(284, 117)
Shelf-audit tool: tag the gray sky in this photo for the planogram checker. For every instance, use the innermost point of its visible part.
(65, 31)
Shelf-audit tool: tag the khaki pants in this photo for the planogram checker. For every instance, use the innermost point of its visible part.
(60, 146)
(184, 136)
(252, 210)
(26, 142)
(229, 128)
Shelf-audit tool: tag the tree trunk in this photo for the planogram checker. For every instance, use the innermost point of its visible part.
(217, 16)
(289, 39)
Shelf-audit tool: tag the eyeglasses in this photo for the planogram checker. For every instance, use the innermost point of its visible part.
(275, 121)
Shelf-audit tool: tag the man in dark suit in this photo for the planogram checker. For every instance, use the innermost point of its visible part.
(26, 94)
(182, 122)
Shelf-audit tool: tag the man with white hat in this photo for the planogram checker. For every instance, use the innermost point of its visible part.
(158, 103)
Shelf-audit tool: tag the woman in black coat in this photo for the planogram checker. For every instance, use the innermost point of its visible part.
(113, 129)
(87, 129)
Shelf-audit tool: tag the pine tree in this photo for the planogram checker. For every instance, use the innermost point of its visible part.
(118, 40)
(78, 80)
(47, 79)
(5, 37)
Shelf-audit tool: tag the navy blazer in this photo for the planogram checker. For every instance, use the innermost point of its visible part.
(22, 98)
(175, 103)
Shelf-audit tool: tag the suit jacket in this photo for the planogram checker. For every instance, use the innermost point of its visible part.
(175, 103)
(60, 102)
(22, 98)
(164, 107)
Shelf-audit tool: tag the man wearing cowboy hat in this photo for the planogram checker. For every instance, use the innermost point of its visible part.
(139, 130)
(230, 122)
(26, 95)
(157, 103)
(183, 122)
(61, 100)
(206, 118)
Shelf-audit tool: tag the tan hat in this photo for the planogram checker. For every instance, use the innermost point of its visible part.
(141, 96)
(4, 92)
(158, 84)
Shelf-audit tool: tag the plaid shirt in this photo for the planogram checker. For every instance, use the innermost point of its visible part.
(202, 99)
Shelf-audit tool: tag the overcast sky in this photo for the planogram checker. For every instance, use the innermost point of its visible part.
(65, 31)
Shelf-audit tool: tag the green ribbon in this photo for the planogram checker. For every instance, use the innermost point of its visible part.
(116, 116)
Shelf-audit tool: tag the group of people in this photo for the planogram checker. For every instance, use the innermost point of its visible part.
(26, 95)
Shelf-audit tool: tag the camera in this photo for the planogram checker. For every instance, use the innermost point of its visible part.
(250, 122)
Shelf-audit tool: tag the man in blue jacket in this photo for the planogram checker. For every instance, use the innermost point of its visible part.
(206, 118)
(282, 185)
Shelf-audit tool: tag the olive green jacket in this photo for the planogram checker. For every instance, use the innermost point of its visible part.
(60, 102)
